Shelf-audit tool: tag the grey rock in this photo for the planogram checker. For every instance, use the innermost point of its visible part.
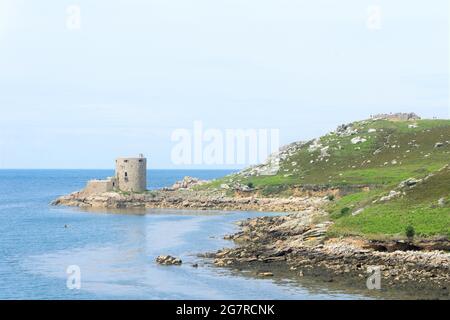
(409, 182)
(168, 261)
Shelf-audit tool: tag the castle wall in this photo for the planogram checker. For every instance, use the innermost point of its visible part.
(131, 174)
(100, 186)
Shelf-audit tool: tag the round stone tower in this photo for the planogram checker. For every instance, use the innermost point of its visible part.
(131, 174)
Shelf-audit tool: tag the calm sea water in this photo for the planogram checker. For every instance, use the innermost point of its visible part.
(116, 251)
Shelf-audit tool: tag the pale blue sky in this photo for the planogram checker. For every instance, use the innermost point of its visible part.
(138, 69)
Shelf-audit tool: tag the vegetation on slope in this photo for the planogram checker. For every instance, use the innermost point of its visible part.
(388, 153)
(424, 207)
(378, 155)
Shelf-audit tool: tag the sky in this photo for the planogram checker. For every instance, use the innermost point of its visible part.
(131, 72)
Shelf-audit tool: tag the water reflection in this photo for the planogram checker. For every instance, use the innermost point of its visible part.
(123, 266)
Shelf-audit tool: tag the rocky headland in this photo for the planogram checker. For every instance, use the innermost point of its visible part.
(186, 199)
(182, 195)
(373, 193)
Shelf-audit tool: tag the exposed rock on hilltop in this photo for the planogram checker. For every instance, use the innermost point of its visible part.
(397, 116)
(386, 141)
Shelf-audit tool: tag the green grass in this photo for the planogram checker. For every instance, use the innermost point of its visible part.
(353, 201)
(418, 208)
(349, 164)
(391, 220)
(393, 153)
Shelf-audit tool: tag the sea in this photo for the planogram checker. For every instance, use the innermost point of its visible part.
(49, 252)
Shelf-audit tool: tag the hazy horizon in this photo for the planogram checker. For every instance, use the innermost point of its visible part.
(180, 168)
(132, 72)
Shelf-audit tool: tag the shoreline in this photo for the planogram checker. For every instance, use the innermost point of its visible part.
(296, 244)
(273, 244)
(186, 199)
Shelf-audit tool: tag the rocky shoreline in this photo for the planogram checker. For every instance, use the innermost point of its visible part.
(291, 244)
(185, 199)
(296, 243)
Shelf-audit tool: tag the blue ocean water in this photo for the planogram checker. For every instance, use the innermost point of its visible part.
(116, 251)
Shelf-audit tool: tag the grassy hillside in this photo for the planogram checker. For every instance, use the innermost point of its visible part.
(425, 207)
(388, 153)
(378, 154)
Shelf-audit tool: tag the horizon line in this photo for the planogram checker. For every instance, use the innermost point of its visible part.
(112, 169)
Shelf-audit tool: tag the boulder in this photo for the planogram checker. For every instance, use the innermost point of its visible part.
(242, 187)
(187, 183)
(357, 212)
(168, 261)
(411, 182)
(345, 130)
(393, 194)
(357, 140)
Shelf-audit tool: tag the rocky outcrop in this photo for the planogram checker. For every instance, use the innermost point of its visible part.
(411, 182)
(440, 244)
(186, 183)
(397, 116)
(392, 195)
(168, 261)
(298, 242)
(357, 140)
(345, 130)
(272, 165)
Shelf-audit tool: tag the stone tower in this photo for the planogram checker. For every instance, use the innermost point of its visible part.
(131, 174)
